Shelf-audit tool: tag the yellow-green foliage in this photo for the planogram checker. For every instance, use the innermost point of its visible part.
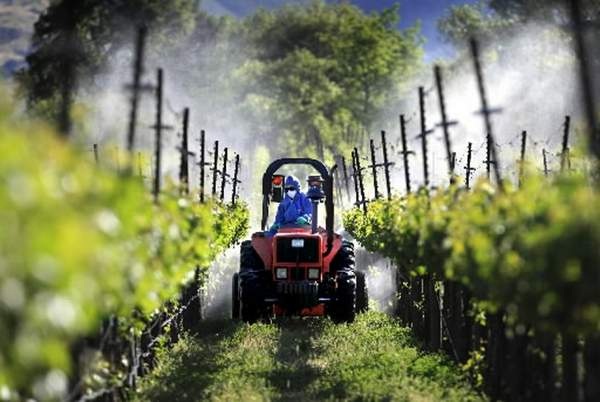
(534, 251)
(78, 243)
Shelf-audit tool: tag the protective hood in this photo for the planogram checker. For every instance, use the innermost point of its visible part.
(291, 181)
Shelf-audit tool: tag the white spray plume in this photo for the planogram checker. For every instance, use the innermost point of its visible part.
(531, 78)
(216, 303)
(381, 279)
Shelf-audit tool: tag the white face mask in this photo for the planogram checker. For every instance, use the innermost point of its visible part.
(291, 194)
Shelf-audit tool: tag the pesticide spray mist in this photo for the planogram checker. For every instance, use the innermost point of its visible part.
(530, 79)
(217, 295)
(381, 280)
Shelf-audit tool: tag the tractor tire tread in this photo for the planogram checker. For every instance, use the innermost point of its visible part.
(362, 292)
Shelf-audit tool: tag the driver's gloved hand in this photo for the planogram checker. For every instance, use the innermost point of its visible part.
(302, 221)
(273, 229)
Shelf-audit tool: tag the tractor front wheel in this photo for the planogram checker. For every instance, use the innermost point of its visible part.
(362, 293)
(344, 308)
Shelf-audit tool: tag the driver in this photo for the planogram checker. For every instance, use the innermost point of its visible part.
(295, 208)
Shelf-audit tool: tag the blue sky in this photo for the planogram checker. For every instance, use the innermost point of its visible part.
(411, 11)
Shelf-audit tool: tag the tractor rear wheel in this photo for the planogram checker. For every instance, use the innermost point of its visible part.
(235, 297)
(343, 308)
(251, 281)
(362, 293)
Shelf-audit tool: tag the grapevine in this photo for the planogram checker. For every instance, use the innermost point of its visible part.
(532, 251)
(81, 242)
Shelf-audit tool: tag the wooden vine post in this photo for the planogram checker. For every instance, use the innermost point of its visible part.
(564, 155)
(224, 173)
(136, 86)
(522, 161)
(486, 111)
(215, 168)
(405, 153)
(158, 135)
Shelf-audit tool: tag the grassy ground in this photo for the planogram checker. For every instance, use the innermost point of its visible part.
(373, 359)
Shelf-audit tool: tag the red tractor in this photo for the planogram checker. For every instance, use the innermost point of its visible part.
(301, 270)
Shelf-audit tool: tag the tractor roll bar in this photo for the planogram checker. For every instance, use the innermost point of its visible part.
(327, 188)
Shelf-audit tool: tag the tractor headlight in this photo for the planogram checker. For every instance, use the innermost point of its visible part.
(281, 273)
(313, 273)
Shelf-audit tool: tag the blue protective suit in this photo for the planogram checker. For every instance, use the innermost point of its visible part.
(290, 210)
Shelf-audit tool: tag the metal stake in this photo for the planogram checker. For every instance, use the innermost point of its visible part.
(522, 164)
(585, 74)
(468, 168)
(386, 165)
(355, 177)
(488, 159)
(423, 135)
(215, 169)
(202, 163)
(487, 112)
(565, 144)
(68, 52)
(158, 136)
(138, 69)
(445, 123)
(235, 179)
(184, 181)
(360, 181)
(224, 173)
(374, 169)
(96, 158)
(405, 153)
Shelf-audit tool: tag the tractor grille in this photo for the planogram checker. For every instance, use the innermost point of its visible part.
(297, 274)
(309, 253)
(298, 288)
(304, 293)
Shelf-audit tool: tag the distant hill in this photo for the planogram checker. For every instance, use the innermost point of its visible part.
(16, 27)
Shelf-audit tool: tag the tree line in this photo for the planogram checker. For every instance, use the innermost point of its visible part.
(310, 79)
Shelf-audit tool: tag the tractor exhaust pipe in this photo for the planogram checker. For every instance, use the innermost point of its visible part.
(315, 194)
